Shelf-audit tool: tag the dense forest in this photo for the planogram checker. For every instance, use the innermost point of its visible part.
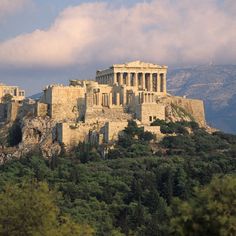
(184, 184)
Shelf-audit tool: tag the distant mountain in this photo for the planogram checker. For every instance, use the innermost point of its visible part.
(216, 85)
(36, 96)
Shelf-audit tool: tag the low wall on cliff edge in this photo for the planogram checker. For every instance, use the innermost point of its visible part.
(194, 107)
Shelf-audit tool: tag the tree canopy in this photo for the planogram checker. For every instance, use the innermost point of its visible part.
(183, 185)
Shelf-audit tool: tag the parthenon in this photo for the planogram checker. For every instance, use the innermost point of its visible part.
(135, 75)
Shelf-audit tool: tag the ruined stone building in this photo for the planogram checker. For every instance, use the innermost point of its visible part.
(8, 112)
(97, 111)
(16, 93)
(135, 90)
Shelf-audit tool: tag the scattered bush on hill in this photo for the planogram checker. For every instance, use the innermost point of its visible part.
(178, 127)
(134, 192)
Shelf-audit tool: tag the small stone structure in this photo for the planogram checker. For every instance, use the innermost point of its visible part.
(97, 111)
(16, 93)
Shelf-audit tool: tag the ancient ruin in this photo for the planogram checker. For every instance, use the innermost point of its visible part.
(15, 92)
(97, 111)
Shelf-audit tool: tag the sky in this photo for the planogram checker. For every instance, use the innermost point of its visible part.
(44, 42)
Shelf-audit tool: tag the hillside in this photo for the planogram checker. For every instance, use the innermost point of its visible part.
(215, 84)
(142, 188)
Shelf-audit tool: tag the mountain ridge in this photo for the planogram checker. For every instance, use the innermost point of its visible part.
(215, 85)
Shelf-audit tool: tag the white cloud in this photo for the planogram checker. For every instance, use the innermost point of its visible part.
(162, 31)
(10, 6)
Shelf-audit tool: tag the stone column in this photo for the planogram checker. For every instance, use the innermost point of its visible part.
(128, 79)
(164, 83)
(121, 78)
(135, 80)
(143, 81)
(110, 100)
(106, 99)
(151, 82)
(158, 83)
(98, 99)
(118, 99)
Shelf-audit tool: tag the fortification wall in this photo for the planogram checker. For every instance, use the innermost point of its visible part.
(41, 109)
(65, 102)
(107, 114)
(112, 130)
(12, 111)
(148, 112)
(71, 134)
(194, 107)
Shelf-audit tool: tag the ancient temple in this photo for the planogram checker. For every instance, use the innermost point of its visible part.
(135, 75)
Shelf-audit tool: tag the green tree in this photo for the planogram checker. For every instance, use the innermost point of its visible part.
(147, 136)
(211, 212)
(132, 129)
(29, 209)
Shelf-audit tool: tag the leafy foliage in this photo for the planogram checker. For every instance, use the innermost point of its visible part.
(30, 209)
(178, 127)
(210, 212)
(136, 191)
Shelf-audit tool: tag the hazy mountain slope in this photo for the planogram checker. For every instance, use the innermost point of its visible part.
(36, 96)
(216, 85)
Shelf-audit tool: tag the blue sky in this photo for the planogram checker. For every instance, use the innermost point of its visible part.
(41, 13)
(43, 42)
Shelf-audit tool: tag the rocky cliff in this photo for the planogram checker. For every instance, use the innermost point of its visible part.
(37, 136)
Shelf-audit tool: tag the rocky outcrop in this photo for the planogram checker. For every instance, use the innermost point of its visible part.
(181, 108)
(37, 135)
(175, 113)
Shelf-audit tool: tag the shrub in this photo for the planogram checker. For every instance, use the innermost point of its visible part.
(147, 136)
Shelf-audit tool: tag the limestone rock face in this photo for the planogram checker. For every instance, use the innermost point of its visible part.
(4, 157)
(35, 130)
(182, 109)
(37, 135)
(174, 114)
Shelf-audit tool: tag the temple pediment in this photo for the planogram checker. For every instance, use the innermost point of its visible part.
(137, 64)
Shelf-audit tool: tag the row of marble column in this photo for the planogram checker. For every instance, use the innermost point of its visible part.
(155, 82)
(105, 99)
(146, 97)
